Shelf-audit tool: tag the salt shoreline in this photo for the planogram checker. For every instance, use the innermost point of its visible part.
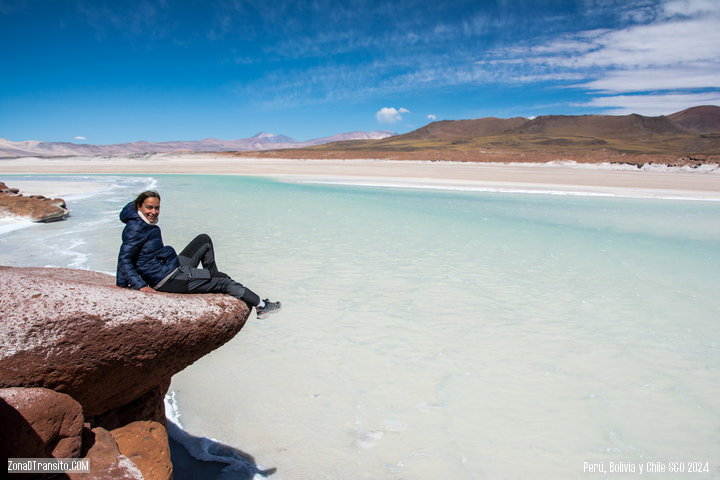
(551, 178)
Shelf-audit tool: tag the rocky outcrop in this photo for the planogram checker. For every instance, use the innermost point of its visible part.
(37, 207)
(106, 459)
(132, 441)
(113, 350)
(39, 423)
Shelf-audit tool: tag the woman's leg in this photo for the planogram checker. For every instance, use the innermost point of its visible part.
(229, 286)
(200, 251)
(194, 280)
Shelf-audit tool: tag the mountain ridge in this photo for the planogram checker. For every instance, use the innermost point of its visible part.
(260, 141)
(693, 131)
(688, 138)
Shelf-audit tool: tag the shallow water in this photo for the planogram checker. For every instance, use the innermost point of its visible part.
(430, 334)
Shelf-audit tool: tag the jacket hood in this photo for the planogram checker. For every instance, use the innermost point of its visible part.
(129, 212)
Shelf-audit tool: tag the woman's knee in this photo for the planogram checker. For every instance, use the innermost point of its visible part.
(203, 238)
(197, 247)
(233, 288)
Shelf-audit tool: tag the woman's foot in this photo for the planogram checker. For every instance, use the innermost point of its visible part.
(267, 308)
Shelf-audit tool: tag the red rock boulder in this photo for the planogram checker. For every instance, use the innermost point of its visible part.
(146, 445)
(106, 460)
(39, 423)
(73, 331)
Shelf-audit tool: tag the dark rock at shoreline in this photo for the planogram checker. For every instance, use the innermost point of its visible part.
(37, 207)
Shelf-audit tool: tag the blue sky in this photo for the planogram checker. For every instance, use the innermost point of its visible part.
(112, 71)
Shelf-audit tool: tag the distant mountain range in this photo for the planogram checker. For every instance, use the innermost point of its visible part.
(692, 131)
(261, 141)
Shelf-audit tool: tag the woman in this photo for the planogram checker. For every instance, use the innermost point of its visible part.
(145, 264)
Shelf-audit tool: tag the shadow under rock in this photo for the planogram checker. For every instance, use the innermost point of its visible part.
(204, 459)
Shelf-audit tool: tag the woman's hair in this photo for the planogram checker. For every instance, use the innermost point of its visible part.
(146, 194)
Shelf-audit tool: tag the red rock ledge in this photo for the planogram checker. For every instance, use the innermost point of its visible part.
(85, 365)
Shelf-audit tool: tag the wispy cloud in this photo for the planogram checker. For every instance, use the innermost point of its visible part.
(141, 19)
(686, 77)
(668, 62)
(653, 104)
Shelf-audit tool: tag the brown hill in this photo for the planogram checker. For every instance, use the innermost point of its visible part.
(686, 137)
(461, 129)
(599, 126)
(705, 119)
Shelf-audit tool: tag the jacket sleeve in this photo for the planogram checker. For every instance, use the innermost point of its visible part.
(120, 280)
(133, 241)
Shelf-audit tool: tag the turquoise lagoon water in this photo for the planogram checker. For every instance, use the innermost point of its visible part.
(437, 334)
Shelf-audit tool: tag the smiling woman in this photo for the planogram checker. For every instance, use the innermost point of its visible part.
(146, 264)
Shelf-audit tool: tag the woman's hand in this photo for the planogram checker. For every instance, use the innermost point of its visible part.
(147, 289)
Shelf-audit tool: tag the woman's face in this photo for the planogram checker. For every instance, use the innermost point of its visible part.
(151, 209)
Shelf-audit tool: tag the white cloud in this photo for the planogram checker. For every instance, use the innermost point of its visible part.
(689, 7)
(653, 79)
(671, 43)
(660, 104)
(390, 114)
(80, 138)
(667, 43)
(432, 117)
(665, 63)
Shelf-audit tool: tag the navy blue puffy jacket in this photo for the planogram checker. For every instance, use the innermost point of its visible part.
(143, 259)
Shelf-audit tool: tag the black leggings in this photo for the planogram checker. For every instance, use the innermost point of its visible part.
(190, 279)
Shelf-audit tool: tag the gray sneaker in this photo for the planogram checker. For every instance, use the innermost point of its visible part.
(270, 307)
